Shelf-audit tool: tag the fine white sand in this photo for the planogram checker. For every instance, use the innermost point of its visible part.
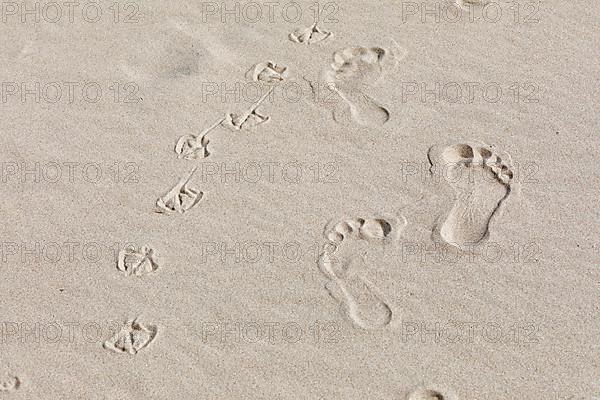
(397, 200)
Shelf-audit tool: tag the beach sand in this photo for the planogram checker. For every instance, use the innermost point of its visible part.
(258, 200)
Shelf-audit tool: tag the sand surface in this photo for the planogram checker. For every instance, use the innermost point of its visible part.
(239, 200)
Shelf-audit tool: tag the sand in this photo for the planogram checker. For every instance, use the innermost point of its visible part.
(242, 200)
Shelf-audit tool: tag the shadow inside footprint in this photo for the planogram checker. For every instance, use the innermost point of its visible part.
(10, 384)
(426, 394)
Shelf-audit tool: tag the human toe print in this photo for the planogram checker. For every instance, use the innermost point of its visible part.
(370, 229)
(430, 392)
(356, 66)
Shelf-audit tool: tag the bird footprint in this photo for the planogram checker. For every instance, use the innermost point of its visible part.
(180, 198)
(140, 262)
(250, 117)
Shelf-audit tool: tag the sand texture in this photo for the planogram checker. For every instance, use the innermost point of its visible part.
(384, 200)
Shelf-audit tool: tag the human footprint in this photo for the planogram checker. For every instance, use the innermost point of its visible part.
(353, 72)
(362, 301)
(482, 182)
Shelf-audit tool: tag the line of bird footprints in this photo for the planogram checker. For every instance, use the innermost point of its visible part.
(353, 70)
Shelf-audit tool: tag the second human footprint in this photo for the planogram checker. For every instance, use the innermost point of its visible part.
(363, 303)
(353, 73)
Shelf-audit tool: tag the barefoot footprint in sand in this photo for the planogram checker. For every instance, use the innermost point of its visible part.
(131, 338)
(354, 71)
(364, 305)
(481, 180)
